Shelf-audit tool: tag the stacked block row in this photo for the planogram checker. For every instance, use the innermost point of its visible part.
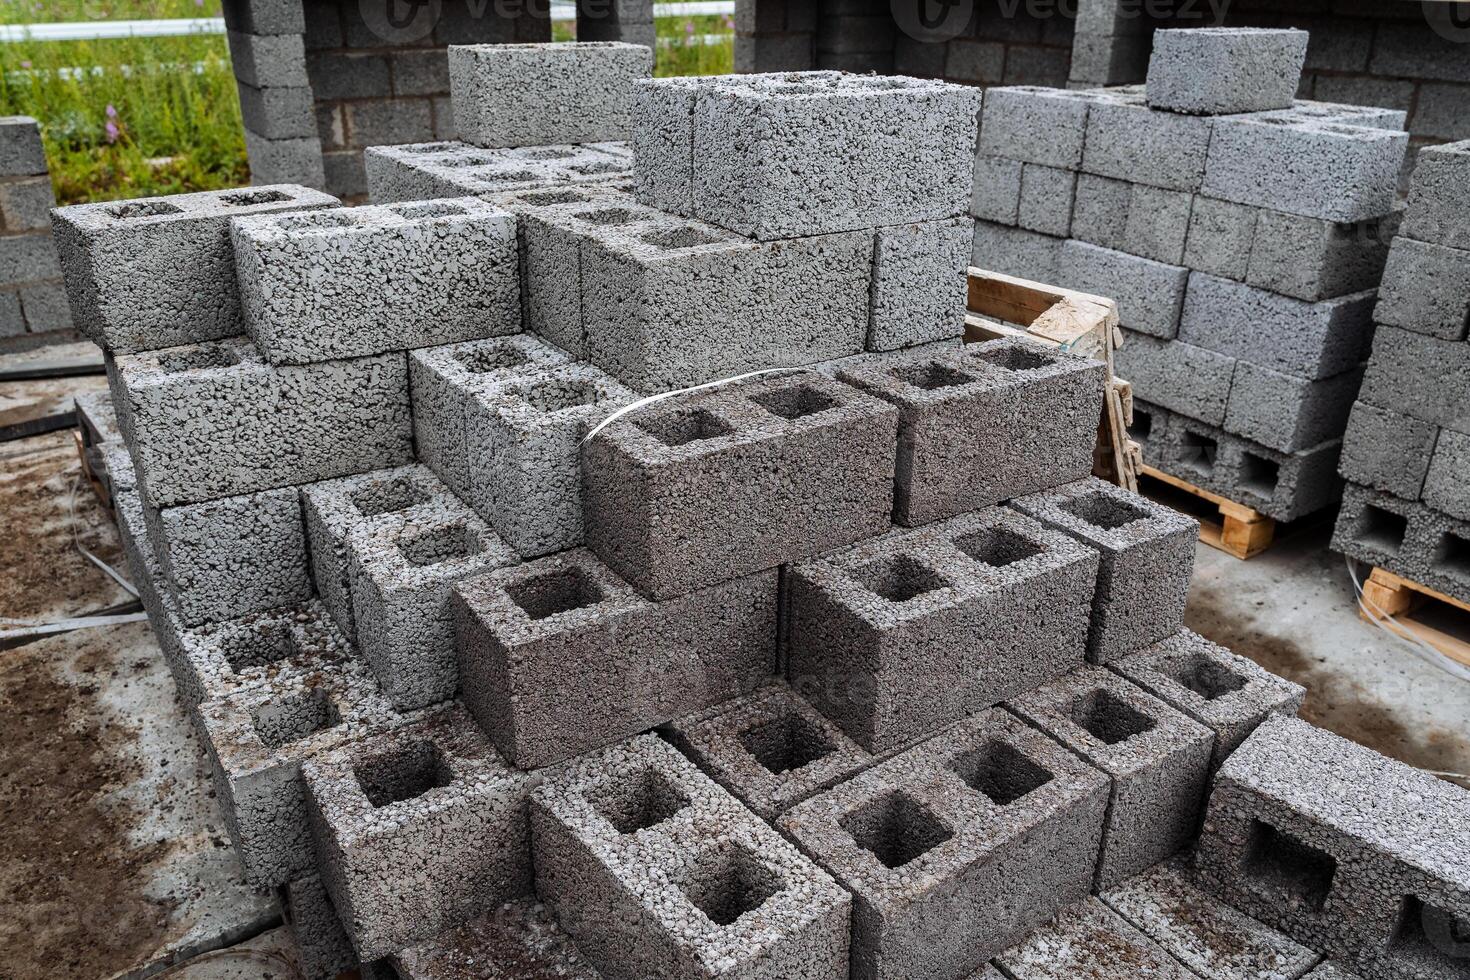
(32, 298)
(1242, 233)
(1405, 451)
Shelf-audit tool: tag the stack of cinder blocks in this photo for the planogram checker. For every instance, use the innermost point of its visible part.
(845, 669)
(32, 299)
(1242, 233)
(1406, 453)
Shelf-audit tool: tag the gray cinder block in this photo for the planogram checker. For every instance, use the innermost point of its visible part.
(214, 420)
(929, 841)
(674, 491)
(1226, 693)
(769, 748)
(1035, 125)
(1312, 259)
(283, 112)
(1089, 939)
(1309, 340)
(1387, 451)
(444, 381)
(401, 572)
(417, 829)
(919, 286)
(1327, 170)
(1426, 288)
(1100, 214)
(1447, 484)
(523, 442)
(663, 142)
(1128, 141)
(1408, 539)
(322, 946)
(522, 632)
(1200, 931)
(1158, 759)
(21, 152)
(519, 938)
(1006, 599)
(1439, 196)
(378, 278)
(26, 258)
(257, 739)
(657, 871)
(1420, 376)
(539, 94)
(996, 195)
(1150, 294)
(1047, 194)
(1220, 237)
(430, 171)
(25, 205)
(1147, 555)
(297, 160)
(133, 268)
(1348, 852)
(335, 509)
(1158, 224)
(1223, 70)
(1178, 376)
(261, 60)
(959, 415)
(1285, 412)
(232, 556)
(1016, 252)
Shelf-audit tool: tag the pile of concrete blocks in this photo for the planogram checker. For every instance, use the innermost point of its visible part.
(1242, 232)
(32, 298)
(1406, 453)
(515, 655)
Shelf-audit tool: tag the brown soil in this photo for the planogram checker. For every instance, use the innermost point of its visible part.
(71, 881)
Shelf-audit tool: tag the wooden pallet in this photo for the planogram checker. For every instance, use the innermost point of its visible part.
(1389, 600)
(1241, 531)
(1006, 306)
(101, 487)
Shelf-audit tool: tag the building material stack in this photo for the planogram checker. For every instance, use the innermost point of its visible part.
(848, 668)
(1406, 454)
(1242, 233)
(32, 298)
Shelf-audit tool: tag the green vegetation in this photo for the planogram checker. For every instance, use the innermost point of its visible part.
(679, 52)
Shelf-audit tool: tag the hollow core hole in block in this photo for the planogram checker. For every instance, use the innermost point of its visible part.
(560, 396)
(388, 496)
(143, 209)
(997, 546)
(504, 176)
(469, 160)
(1382, 529)
(438, 545)
(896, 828)
(312, 220)
(1259, 475)
(1208, 678)
(1284, 863)
(639, 802)
(1109, 718)
(1001, 772)
(1015, 357)
(246, 199)
(427, 148)
(1104, 510)
(794, 402)
(403, 773)
(1143, 425)
(259, 645)
(673, 238)
(555, 592)
(931, 376)
(787, 743)
(542, 199)
(1197, 452)
(898, 578)
(596, 167)
(484, 360)
(1452, 556)
(197, 358)
(729, 883)
(685, 426)
(1431, 938)
(550, 153)
(609, 216)
(291, 717)
(419, 210)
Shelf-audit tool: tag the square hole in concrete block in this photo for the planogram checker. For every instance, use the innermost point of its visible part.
(427, 148)
(550, 153)
(1382, 529)
(685, 426)
(1109, 718)
(640, 802)
(143, 209)
(596, 167)
(795, 402)
(786, 743)
(1142, 427)
(439, 544)
(1197, 452)
(997, 546)
(246, 199)
(542, 199)
(555, 592)
(1279, 860)
(609, 216)
(483, 360)
(1015, 358)
(197, 358)
(898, 578)
(1452, 556)
(419, 210)
(896, 828)
(560, 396)
(294, 716)
(676, 238)
(405, 773)
(1001, 772)
(388, 496)
(730, 882)
(1104, 510)
(498, 177)
(314, 220)
(467, 161)
(259, 645)
(1259, 475)
(1434, 941)
(1208, 678)
(931, 376)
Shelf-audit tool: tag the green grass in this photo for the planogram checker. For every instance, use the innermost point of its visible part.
(678, 55)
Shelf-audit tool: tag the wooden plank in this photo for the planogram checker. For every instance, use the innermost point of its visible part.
(1390, 600)
(40, 425)
(76, 367)
(1242, 532)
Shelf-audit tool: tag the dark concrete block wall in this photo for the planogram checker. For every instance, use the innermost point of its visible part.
(32, 299)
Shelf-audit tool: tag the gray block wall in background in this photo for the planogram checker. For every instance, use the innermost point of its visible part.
(32, 299)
